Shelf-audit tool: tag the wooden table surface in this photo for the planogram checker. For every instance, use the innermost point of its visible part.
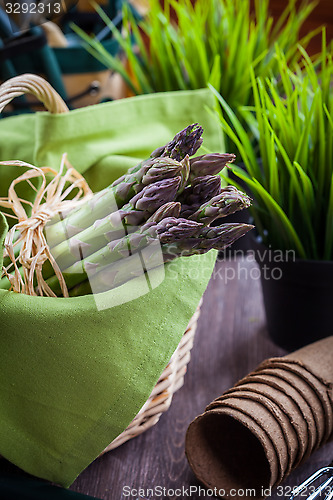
(231, 340)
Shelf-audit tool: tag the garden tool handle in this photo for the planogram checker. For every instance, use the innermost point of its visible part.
(35, 85)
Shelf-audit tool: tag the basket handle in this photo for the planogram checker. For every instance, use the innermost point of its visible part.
(35, 85)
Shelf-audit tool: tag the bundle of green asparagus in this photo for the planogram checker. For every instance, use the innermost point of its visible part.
(160, 210)
(168, 198)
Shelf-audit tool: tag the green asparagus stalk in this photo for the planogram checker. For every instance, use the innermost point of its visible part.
(208, 238)
(229, 201)
(145, 203)
(167, 230)
(172, 197)
(233, 233)
(171, 209)
(115, 225)
(125, 270)
(114, 197)
(186, 142)
(184, 174)
(209, 164)
(201, 190)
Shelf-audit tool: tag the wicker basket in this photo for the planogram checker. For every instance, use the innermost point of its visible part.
(172, 377)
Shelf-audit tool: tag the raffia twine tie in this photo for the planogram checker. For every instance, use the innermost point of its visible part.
(51, 198)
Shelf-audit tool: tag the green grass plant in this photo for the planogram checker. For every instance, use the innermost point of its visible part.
(290, 175)
(215, 41)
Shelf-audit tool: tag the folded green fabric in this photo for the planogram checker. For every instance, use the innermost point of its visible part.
(103, 141)
(72, 377)
(75, 372)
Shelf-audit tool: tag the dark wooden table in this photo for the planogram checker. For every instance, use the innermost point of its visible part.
(231, 341)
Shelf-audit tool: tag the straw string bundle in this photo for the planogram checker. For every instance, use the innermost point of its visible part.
(28, 233)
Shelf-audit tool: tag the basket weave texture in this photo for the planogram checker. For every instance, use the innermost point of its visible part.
(172, 377)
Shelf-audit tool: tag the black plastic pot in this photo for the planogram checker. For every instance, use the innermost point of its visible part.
(243, 245)
(298, 297)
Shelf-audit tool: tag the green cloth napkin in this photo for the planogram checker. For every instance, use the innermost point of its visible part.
(105, 140)
(73, 376)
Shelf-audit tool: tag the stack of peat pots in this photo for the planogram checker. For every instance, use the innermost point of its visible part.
(271, 421)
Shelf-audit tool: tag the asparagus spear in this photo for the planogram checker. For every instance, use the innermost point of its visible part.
(81, 251)
(136, 212)
(171, 209)
(145, 203)
(114, 197)
(209, 164)
(114, 226)
(125, 270)
(186, 142)
(229, 201)
(201, 190)
(167, 230)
